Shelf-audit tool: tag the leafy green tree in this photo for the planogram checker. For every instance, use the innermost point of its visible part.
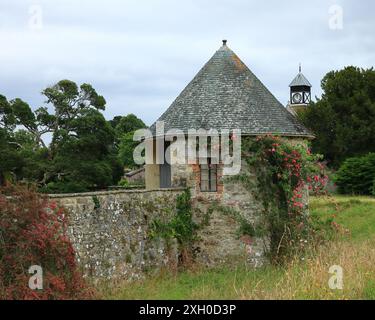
(343, 120)
(24, 155)
(124, 129)
(86, 160)
(129, 123)
(82, 155)
(115, 121)
(126, 148)
(11, 162)
(357, 175)
(36, 158)
(37, 123)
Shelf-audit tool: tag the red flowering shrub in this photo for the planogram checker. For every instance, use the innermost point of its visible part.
(285, 172)
(33, 232)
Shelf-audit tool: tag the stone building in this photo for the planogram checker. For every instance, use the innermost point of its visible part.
(224, 95)
(111, 230)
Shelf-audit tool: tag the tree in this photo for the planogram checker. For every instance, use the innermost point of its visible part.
(343, 120)
(82, 155)
(357, 175)
(11, 162)
(127, 124)
(85, 160)
(82, 148)
(124, 129)
(37, 123)
(126, 148)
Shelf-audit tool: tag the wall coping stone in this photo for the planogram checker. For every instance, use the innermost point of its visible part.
(103, 193)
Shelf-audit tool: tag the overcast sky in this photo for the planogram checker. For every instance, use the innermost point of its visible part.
(140, 54)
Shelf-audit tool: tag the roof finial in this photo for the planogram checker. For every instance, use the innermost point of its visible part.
(224, 42)
(300, 68)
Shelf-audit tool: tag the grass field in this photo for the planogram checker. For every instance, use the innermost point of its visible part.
(301, 279)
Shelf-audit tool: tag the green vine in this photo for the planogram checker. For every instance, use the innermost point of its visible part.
(96, 201)
(181, 227)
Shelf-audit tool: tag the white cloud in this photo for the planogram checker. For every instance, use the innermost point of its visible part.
(141, 54)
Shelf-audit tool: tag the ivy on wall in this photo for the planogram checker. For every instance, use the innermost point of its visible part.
(181, 227)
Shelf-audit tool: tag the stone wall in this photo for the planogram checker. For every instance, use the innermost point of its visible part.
(220, 241)
(110, 231)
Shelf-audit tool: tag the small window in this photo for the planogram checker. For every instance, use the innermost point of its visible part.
(208, 177)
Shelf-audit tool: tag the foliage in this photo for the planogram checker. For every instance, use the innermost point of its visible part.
(124, 131)
(357, 175)
(181, 227)
(82, 155)
(126, 148)
(33, 231)
(343, 120)
(11, 162)
(127, 124)
(123, 183)
(284, 170)
(298, 279)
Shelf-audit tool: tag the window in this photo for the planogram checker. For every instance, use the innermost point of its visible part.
(208, 177)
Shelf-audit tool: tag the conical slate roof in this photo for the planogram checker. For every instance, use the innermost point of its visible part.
(300, 80)
(225, 94)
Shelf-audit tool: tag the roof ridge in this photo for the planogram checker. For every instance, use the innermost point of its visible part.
(226, 94)
(300, 80)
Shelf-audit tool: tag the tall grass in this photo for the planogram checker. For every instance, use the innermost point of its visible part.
(300, 279)
(306, 279)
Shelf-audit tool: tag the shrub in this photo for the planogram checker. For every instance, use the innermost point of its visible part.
(64, 187)
(284, 171)
(123, 183)
(357, 175)
(33, 232)
(181, 227)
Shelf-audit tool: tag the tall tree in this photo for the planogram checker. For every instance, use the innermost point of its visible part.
(124, 129)
(11, 162)
(127, 124)
(343, 120)
(82, 154)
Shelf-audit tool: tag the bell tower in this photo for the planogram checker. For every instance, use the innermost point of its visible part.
(300, 93)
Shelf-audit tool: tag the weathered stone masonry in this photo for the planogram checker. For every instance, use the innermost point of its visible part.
(109, 230)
